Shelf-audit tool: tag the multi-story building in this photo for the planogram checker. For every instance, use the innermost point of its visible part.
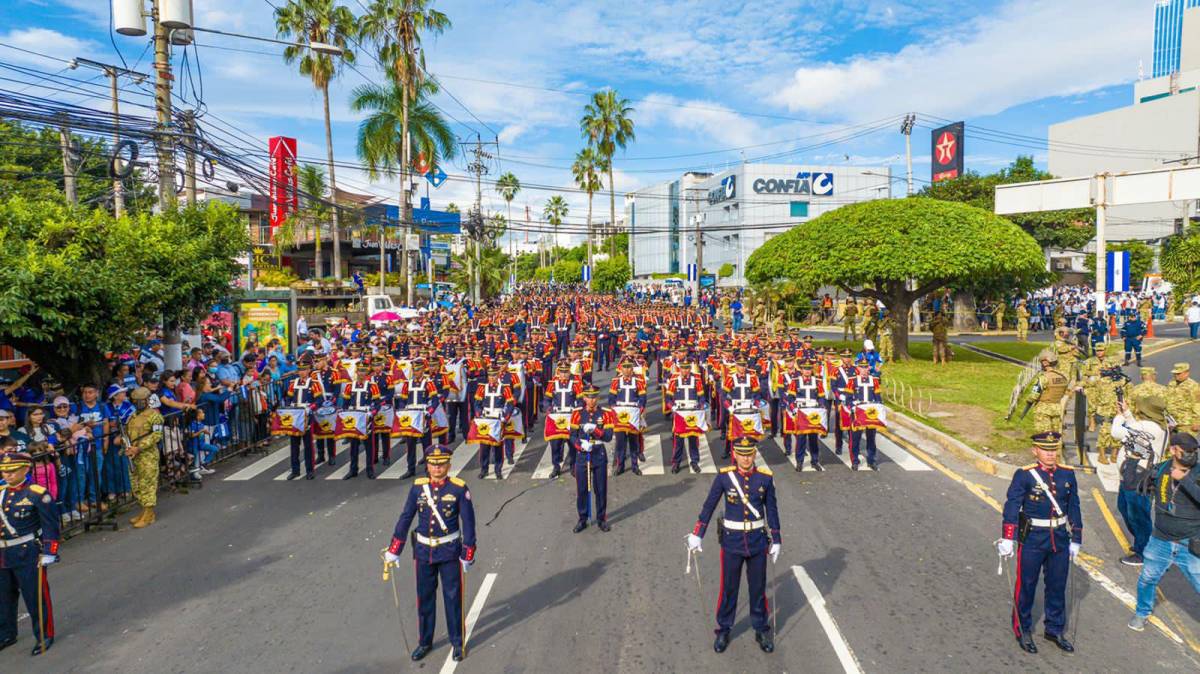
(1168, 34)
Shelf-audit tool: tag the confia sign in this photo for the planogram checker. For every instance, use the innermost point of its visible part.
(283, 179)
(815, 184)
(727, 190)
(947, 152)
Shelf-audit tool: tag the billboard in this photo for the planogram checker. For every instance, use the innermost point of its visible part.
(283, 179)
(946, 152)
(262, 322)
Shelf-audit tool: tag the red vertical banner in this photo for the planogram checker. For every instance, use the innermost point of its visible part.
(284, 188)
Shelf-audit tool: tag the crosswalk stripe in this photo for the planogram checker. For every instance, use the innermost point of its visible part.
(546, 463)
(653, 465)
(897, 454)
(262, 465)
(284, 475)
(844, 457)
(507, 468)
(399, 461)
(341, 470)
(778, 442)
(707, 463)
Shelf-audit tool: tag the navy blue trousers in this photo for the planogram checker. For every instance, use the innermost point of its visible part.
(1047, 555)
(731, 581)
(428, 576)
(856, 445)
(23, 579)
(627, 443)
(599, 468)
(802, 443)
(693, 449)
(307, 441)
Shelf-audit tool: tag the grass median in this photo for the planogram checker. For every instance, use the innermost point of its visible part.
(968, 397)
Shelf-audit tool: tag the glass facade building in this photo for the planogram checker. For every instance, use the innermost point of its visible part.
(1168, 34)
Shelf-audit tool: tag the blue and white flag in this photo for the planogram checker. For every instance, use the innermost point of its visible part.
(692, 273)
(587, 273)
(1118, 271)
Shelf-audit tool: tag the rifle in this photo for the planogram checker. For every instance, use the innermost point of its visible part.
(1028, 406)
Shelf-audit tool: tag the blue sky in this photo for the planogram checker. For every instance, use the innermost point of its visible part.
(722, 78)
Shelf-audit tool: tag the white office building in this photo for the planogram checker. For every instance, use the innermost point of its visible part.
(736, 211)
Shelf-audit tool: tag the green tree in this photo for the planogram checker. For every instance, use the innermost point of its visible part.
(607, 124)
(554, 212)
(726, 270)
(527, 265)
(508, 186)
(611, 275)
(313, 211)
(396, 26)
(1070, 229)
(80, 282)
(1180, 263)
(1141, 259)
(875, 248)
(333, 24)
(586, 170)
(493, 265)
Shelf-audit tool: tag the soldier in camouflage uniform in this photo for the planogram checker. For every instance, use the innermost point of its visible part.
(1022, 322)
(998, 315)
(1089, 375)
(1067, 352)
(145, 429)
(1183, 399)
(939, 328)
(1148, 387)
(1046, 395)
(850, 320)
(871, 327)
(885, 339)
(1106, 392)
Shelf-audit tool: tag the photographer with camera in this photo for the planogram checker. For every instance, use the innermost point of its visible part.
(1142, 434)
(1175, 487)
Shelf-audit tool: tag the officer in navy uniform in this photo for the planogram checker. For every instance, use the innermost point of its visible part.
(1041, 514)
(591, 427)
(748, 533)
(443, 519)
(28, 544)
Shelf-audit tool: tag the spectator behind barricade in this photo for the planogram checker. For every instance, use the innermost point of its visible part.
(185, 390)
(1192, 316)
(272, 369)
(200, 446)
(226, 372)
(195, 359)
(8, 430)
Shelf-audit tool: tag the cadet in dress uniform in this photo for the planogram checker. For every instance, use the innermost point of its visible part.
(419, 392)
(591, 427)
(805, 391)
(627, 390)
(747, 533)
(685, 391)
(28, 544)
(493, 400)
(862, 389)
(304, 391)
(1042, 516)
(443, 545)
(562, 397)
(364, 396)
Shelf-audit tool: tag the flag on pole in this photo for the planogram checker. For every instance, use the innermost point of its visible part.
(692, 273)
(587, 273)
(1118, 271)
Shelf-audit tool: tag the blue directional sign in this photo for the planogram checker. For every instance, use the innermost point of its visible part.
(436, 176)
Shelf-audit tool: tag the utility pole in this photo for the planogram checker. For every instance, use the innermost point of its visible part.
(1101, 249)
(189, 161)
(113, 72)
(406, 211)
(162, 105)
(906, 128)
(479, 167)
(69, 163)
(698, 219)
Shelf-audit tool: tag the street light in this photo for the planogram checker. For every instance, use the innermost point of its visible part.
(319, 47)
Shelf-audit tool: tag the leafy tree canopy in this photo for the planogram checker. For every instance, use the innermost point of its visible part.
(1070, 229)
(76, 283)
(1180, 262)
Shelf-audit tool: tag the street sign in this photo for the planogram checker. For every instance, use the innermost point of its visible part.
(436, 176)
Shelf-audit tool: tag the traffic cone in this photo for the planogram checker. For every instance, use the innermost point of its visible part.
(1150, 328)
(1112, 325)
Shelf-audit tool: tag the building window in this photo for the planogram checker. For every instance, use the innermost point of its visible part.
(799, 209)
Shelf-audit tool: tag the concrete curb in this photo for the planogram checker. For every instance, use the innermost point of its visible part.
(909, 426)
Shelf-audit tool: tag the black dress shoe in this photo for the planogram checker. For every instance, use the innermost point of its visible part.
(370, 474)
(42, 647)
(722, 642)
(674, 468)
(642, 457)
(799, 467)
(407, 474)
(580, 526)
(482, 473)
(332, 461)
(695, 468)
(620, 470)
(1060, 641)
(6, 644)
(873, 466)
(854, 465)
(350, 475)
(837, 450)
(293, 476)
(635, 470)
(818, 467)
(456, 654)
(421, 652)
(499, 474)
(310, 476)
(555, 473)
(604, 526)
(320, 460)
(765, 642)
(1025, 640)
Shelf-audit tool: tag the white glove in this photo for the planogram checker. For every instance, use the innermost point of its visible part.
(588, 429)
(1005, 547)
(774, 552)
(465, 564)
(1074, 549)
(47, 560)
(693, 543)
(391, 558)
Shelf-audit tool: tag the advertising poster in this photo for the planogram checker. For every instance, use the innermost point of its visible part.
(261, 322)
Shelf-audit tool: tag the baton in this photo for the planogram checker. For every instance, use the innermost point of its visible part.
(41, 620)
(687, 570)
(388, 575)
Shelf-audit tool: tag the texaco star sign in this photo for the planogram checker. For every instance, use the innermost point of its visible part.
(945, 148)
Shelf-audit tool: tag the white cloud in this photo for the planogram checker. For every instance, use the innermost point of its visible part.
(708, 122)
(1030, 49)
(44, 41)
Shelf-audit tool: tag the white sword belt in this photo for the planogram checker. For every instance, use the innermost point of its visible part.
(745, 526)
(438, 540)
(1052, 523)
(17, 541)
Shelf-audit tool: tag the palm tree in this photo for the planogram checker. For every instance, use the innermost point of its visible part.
(396, 27)
(380, 135)
(586, 171)
(555, 210)
(320, 21)
(314, 210)
(607, 125)
(508, 186)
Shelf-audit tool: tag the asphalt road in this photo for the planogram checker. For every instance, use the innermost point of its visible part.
(891, 571)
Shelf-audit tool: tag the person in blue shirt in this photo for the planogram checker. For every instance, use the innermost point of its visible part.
(736, 308)
(1133, 331)
(95, 415)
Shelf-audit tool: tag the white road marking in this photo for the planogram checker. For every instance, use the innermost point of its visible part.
(399, 461)
(284, 475)
(472, 617)
(1110, 476)
(817, 602)
(898, 455)
(707, 463)
(759, 461)
(341, 470)
(653, 465)
(778, 442)
(546, 463)
(262, 465)
(844, 457)
(507, 469)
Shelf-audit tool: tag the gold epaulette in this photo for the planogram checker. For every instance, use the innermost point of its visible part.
(766, 471)
(1063, 465)
(728, 469)
(421, 480)
(37, 489)
(458, 481)
(1029, 467)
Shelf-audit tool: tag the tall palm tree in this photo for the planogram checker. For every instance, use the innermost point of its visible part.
(586, 171)
(606, 126)
(555, 210)
(508, 186)
(313, 210)
(396, 27)
(320, 21)
(380, 135)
